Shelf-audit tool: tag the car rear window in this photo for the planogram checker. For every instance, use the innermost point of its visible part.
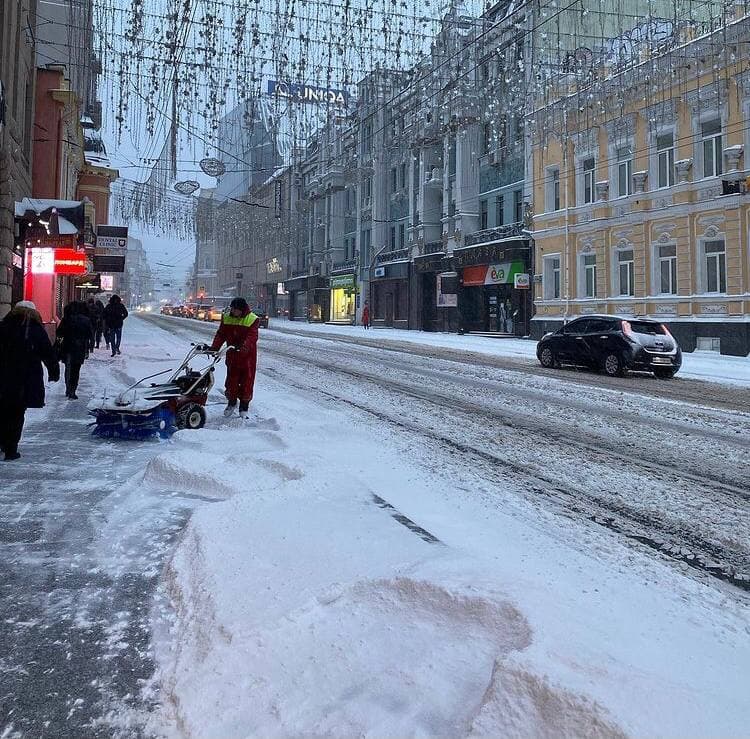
(646, 327)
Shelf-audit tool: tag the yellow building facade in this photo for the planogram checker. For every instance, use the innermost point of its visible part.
(640, 194)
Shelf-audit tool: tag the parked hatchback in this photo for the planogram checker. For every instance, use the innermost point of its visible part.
(612, 344)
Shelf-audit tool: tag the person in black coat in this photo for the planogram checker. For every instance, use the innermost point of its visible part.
(24, 347)
(99, 323)
(115, 314)
(74, 334)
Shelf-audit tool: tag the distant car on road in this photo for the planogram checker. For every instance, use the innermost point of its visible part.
(613, 345)
(263, 318)
(214, 313)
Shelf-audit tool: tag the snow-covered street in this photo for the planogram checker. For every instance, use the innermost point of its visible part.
(401, 541)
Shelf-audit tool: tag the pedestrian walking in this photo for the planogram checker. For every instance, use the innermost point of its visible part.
(115, 314)
(366, 315)
(24, 347)
(74, 334)
(99, 323)
(90, 306)
(239, 331)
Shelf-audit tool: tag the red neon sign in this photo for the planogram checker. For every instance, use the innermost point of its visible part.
(47, 261)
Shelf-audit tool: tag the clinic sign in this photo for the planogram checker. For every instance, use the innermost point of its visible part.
(297, 93)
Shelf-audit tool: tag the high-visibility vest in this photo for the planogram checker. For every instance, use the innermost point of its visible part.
(246, 321)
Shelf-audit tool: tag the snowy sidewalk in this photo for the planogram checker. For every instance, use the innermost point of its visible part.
(707, 366)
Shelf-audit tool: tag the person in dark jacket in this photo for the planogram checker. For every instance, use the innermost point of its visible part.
(99, 323)
(74, 333)
(239, 330)
(115, 314)
(24, 347)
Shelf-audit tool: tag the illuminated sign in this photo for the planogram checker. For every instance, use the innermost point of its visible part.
(17, 261)
(70, 262)
(108, 283)
(273, 266)
(307, 93)
(40, 261)
(49, 261)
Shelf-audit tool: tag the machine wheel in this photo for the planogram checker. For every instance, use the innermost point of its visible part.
(547, 358)
(613, 365)
(192, 416)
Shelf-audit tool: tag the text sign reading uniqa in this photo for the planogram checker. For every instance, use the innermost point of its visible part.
(307, 93)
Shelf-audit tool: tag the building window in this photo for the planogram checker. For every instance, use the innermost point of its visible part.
(624, 170)
(716, 266)
(588, 265)
(712, 150)
(626, 272)
(553, 189)
(502, 133)
(487, 137)
(482, 214)
(394, 179)
(667, 256)
(588, 168)
(551, 277)
(393, 237)
(403, 174)
(499, 210)
(665, 159)
(402, 235)
(518, 205)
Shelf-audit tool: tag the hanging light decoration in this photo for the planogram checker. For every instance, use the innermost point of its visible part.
(212, 167)
(187, 187)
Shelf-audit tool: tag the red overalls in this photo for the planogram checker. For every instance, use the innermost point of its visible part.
(242, 334)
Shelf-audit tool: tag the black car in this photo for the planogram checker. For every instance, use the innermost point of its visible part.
(612, 344)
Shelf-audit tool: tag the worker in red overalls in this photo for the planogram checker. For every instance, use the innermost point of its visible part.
(239, 330)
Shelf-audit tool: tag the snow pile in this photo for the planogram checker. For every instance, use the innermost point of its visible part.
(279, 631)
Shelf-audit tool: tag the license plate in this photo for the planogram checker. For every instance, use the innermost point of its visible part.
(661, 360)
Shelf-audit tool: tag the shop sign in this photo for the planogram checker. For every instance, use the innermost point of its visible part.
(89, 282)
(70, 262)
(342, 282)
(307, 93)
(49, 261)
(445, 300)
(280, 289)
(521, 281)
(273, 266)
(17, 260)
(379, 271)
(112, 238)
(108, 283)
(492, 274)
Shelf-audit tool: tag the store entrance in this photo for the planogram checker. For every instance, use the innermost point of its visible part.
(499, 311)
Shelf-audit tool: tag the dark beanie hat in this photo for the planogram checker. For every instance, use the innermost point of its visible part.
(240, 304)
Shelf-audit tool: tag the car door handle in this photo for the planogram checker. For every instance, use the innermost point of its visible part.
(579, 338)
(604, 337)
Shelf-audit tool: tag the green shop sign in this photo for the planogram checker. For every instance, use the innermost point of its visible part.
(342, 282)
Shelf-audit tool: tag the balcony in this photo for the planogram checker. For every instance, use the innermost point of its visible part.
(488, 235)
(395, 255)
(431, 247)
(350, 265)
(333, 179)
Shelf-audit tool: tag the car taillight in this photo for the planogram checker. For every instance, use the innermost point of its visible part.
(627, 329)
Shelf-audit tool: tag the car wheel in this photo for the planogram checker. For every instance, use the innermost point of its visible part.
(191, 417)
(664, 374)
(547, 357)
(613, 366)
